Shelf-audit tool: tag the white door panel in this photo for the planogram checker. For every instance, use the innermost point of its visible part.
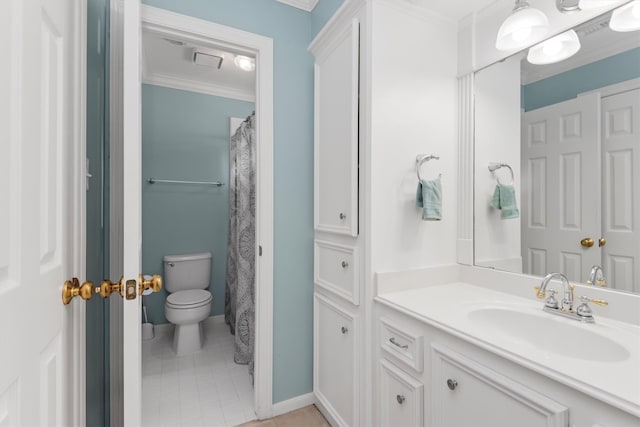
(39, 122)
(560, 196)
(621, 190)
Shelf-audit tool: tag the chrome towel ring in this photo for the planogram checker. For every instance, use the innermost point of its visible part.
(421, 159)
(495, 166)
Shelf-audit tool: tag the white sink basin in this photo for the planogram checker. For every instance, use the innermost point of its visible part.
(553, 334)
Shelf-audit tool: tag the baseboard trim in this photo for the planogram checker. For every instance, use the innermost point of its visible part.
(293, 404)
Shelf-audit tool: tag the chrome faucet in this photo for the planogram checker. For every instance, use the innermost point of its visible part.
(567, 299)
(596, 276)
(565, 309)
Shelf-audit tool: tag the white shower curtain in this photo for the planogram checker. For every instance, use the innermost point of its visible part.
(239, 307)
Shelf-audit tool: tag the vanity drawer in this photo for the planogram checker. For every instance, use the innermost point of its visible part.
(336, 269)
(401, 398)
(403, 343)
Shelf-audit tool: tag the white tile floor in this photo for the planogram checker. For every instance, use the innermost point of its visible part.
(203, 389)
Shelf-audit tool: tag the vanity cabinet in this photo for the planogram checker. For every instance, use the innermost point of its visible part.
(401, 397)
(460, 384)
(464, 393)
(337, 353)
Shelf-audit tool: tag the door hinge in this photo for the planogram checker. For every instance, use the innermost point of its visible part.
(260, 250)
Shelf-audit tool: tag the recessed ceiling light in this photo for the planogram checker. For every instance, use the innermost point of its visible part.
(245, 63)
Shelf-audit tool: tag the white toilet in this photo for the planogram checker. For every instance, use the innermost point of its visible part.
(186, 278)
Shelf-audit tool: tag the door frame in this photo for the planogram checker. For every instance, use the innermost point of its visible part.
(205, 32)
(75, 318)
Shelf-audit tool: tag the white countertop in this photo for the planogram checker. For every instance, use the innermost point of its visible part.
(447, 307)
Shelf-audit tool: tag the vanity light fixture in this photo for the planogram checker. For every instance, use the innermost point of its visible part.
(523, 25)
(245, 63)
(555, 49)
(626, 18)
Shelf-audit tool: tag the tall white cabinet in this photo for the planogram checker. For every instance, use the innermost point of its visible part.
(337, 266)
(375, 111)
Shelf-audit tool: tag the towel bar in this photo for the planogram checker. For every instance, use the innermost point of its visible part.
(423, 158)
(495, 166)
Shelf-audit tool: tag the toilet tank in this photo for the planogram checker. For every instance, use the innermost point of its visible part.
(189, 271)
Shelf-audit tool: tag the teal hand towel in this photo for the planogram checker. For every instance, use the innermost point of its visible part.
(504, 198)
(429, 198)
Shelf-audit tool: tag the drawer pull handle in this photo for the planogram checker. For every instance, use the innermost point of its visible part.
(452, 384)
(345, 264)
(393, 341)
(344, 330)
(343, 216)
(400, 398)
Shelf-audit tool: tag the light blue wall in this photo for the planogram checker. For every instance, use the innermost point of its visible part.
(323, 11)
(568, 85)
(97, 318)
(185, 136)
(290, 29)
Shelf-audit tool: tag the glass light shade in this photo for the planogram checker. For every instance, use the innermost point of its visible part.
(245, 63)
(522, 26)
(626, 18)
(595, 4)
(555, 49)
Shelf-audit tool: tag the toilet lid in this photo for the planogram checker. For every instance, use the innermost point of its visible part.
(191, 297)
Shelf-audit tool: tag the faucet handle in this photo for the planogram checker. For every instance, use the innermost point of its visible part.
(599, 302)
(551, 301)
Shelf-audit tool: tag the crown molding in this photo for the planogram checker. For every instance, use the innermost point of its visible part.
(179, 83)
(306, 5)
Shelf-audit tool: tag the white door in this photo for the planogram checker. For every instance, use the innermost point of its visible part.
(561, 188)
(621, 190)
(42, 44)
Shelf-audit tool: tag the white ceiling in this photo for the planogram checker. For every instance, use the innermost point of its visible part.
(168, 64)
(452, 9)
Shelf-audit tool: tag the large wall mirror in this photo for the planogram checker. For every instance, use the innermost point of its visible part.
(562, 141)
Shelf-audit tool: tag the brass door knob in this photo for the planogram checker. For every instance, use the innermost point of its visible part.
(107, 287)
(587, 242)
(72, 288)
(602, 241)
(155, 283)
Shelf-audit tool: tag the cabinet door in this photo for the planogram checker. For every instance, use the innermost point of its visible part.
(336, 134)
(401, 402)
(465, 393)
(335, 361)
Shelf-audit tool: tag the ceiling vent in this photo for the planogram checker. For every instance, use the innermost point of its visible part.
(207, 58)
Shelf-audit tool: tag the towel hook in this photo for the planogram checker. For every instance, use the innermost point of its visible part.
(495, 166)
(423, 158)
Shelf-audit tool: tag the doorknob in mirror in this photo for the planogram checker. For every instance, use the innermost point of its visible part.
(72, 288)
(587, 242)
(602, 241)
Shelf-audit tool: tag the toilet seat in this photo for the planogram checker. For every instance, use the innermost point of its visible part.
(192, 298)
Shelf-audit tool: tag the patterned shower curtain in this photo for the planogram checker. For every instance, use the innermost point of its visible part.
(239, 304)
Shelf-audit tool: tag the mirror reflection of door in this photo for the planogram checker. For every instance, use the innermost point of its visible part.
(575, 163)
(578, 158)
(560, 187)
